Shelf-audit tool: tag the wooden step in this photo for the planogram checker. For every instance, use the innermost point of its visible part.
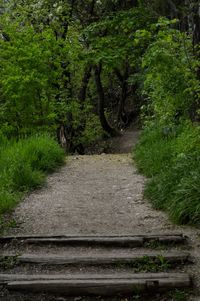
(122, 241)
(89, 241)
(104, 285)
(108, 259)
(122, 275)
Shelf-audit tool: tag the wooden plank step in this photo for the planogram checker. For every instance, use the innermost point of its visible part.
(122, 275)
(104, 285)
(124, 240)
(47, 259)
(105, 241)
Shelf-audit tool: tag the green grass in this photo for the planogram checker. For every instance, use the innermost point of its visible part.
(147, 264)
(23, 167)
(180, 295)
(172, 164)
(8, 262)
(153, 153)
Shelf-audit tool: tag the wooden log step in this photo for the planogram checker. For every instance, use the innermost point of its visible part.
(4, 278)
(108, 259)
(104, 241)
(104, 285)
(122, 241)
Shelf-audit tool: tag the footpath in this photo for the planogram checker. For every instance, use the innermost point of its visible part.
(90, 235)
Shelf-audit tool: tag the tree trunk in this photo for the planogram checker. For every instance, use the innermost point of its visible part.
(196, 45)
(196, 33)
(101, 103)
(121, 115)
(85, 82)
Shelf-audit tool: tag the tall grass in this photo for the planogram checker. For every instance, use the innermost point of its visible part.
(172, 164)
(23, 165)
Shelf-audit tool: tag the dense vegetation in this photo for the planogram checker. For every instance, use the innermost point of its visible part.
(80, 70)
(23, 165)
(169, 148)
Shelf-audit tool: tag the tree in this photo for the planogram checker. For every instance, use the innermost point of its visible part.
(80, 55)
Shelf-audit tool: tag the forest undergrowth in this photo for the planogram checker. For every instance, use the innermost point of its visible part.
(168, 152)
(24, 165)
(172, 165)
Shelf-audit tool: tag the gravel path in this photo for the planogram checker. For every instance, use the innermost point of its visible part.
(98, 194)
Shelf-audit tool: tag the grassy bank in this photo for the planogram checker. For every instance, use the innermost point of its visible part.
(23, 166)
(171, 160)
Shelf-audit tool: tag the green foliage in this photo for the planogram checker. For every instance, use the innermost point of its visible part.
(147, 264)
(27, 76)
(45, 48)
(44, 155)
(169, 73)
(154, 151)
(120, 31)
(92, 130)
(36, 64)
(174, 165)
(23, 165)
(168, 151)
(180, 295)
(8, 262)
(6, 224)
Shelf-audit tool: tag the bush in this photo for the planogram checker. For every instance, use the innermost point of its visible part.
(168, 151)
(174, 167)
(45, 155)
(153, 152)
(170, 76)
(7, 201)
(23, 165)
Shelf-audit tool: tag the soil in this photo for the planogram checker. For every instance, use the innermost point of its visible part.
(99, 194)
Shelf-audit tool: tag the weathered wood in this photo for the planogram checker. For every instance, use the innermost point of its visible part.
(171, 239)
(170, 257)
(149, 276)
(104, 241)
(110, 285)
(124, 240)
(89, 236)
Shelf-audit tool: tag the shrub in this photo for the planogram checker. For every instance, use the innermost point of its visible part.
(7, 201)
(43, 153)
(23, 165)
(170, 76)
(168, 151)
(153, 152)
(174, 167)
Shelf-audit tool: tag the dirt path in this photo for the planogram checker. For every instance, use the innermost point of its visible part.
(99, 194)
(90, 195)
